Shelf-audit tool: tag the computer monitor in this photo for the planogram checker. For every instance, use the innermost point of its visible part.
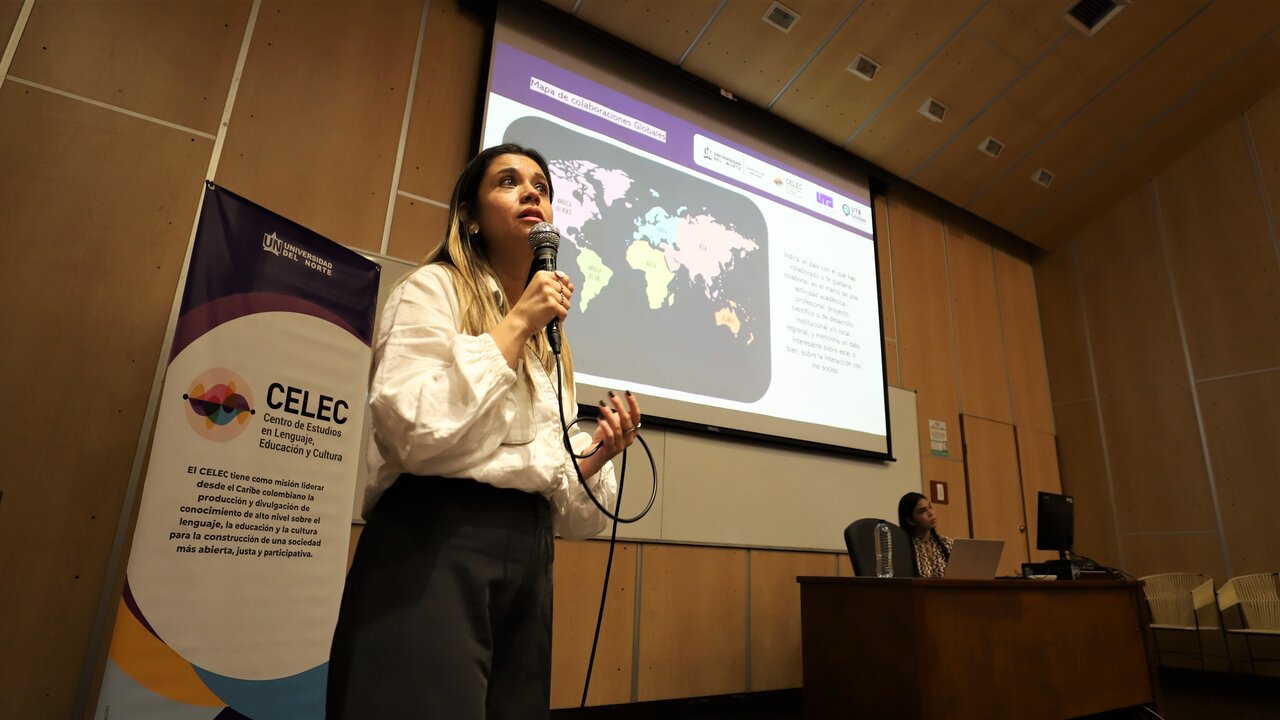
(1055, 523)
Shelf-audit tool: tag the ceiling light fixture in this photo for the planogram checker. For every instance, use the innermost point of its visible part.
(933, 110)
(864, 67)
(991, 147)
(781, 17)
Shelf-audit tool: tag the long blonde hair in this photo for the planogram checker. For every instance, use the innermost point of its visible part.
(465, 256)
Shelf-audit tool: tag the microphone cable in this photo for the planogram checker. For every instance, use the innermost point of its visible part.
(568, 446)
(613, 516)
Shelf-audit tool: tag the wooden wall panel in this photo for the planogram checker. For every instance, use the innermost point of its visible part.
(1129, 230)
(995, 489)
(1066, 353)
(1241, 421)
(172, 61)
(316, 125)
(693, 619)
(923, 311)
(1083, 471)
(439, 142)
(579, 575)
(97, 209)
(844, 566)
(984, 380)
(884, 258)
(1149, 422)
(417, 229)
(1223, 256)
(1023, 343)
(953, 516)
(891, 362)
(1182, 552)
(1264, 131)
(775, 615)
(832, 102)
(1038, 463)
(754, 59)
(675, 24)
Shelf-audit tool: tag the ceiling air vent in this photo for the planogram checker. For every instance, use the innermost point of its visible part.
(933, 110)
(1042, 177)
(1088, 16)
(991, 146)
(781, 17)
(864, 67)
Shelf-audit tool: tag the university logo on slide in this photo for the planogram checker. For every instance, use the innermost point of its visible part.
(219, 404)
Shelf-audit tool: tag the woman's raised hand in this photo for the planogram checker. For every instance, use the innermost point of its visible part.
(546, 298)
(616, 430)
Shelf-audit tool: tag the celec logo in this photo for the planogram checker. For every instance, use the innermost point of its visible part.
(219, 404)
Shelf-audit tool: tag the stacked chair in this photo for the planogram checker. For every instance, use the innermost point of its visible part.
(1250, 606)
(1235, 629)
(1185, 622)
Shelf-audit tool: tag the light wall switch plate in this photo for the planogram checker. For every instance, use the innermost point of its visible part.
(938, 491)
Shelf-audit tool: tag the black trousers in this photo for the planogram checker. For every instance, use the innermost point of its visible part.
(447, 607)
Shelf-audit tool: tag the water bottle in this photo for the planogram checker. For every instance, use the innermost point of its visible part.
(884, 550)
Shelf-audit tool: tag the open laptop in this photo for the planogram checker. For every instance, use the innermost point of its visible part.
(974, 559)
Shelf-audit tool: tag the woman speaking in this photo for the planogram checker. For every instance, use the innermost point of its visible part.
(447, 607)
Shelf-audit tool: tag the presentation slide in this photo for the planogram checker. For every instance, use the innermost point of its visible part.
(734, 292)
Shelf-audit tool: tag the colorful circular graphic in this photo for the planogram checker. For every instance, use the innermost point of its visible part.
(218, 404)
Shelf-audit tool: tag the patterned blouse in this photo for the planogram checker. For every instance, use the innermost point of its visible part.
(929, 558)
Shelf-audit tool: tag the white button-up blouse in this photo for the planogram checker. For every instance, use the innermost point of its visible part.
(445, 403)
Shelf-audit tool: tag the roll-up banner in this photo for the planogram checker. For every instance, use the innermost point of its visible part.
(238, 557)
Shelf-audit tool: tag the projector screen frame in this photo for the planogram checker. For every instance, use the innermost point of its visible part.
(812, 146)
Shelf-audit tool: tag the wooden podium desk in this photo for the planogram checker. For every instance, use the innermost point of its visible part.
(915, 648)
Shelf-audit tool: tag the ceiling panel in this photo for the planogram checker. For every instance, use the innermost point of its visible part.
(1098, 112)
(754, 60)
(968, 73)
(1238, 86)
(1072, 70)
(1020, 28)
(957, 168)
(667, 29)
(832, 102)
(1166, 76)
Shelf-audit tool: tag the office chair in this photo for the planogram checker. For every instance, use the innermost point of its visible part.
(860, 539)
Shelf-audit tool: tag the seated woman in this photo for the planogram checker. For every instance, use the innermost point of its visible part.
(932, 551)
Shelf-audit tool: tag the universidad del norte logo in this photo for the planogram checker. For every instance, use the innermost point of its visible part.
(219, 404)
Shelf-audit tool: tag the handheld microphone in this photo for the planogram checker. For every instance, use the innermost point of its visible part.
(544, 239)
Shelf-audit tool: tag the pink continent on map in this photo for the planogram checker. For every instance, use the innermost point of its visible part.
(706, 248)
(584, 188)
